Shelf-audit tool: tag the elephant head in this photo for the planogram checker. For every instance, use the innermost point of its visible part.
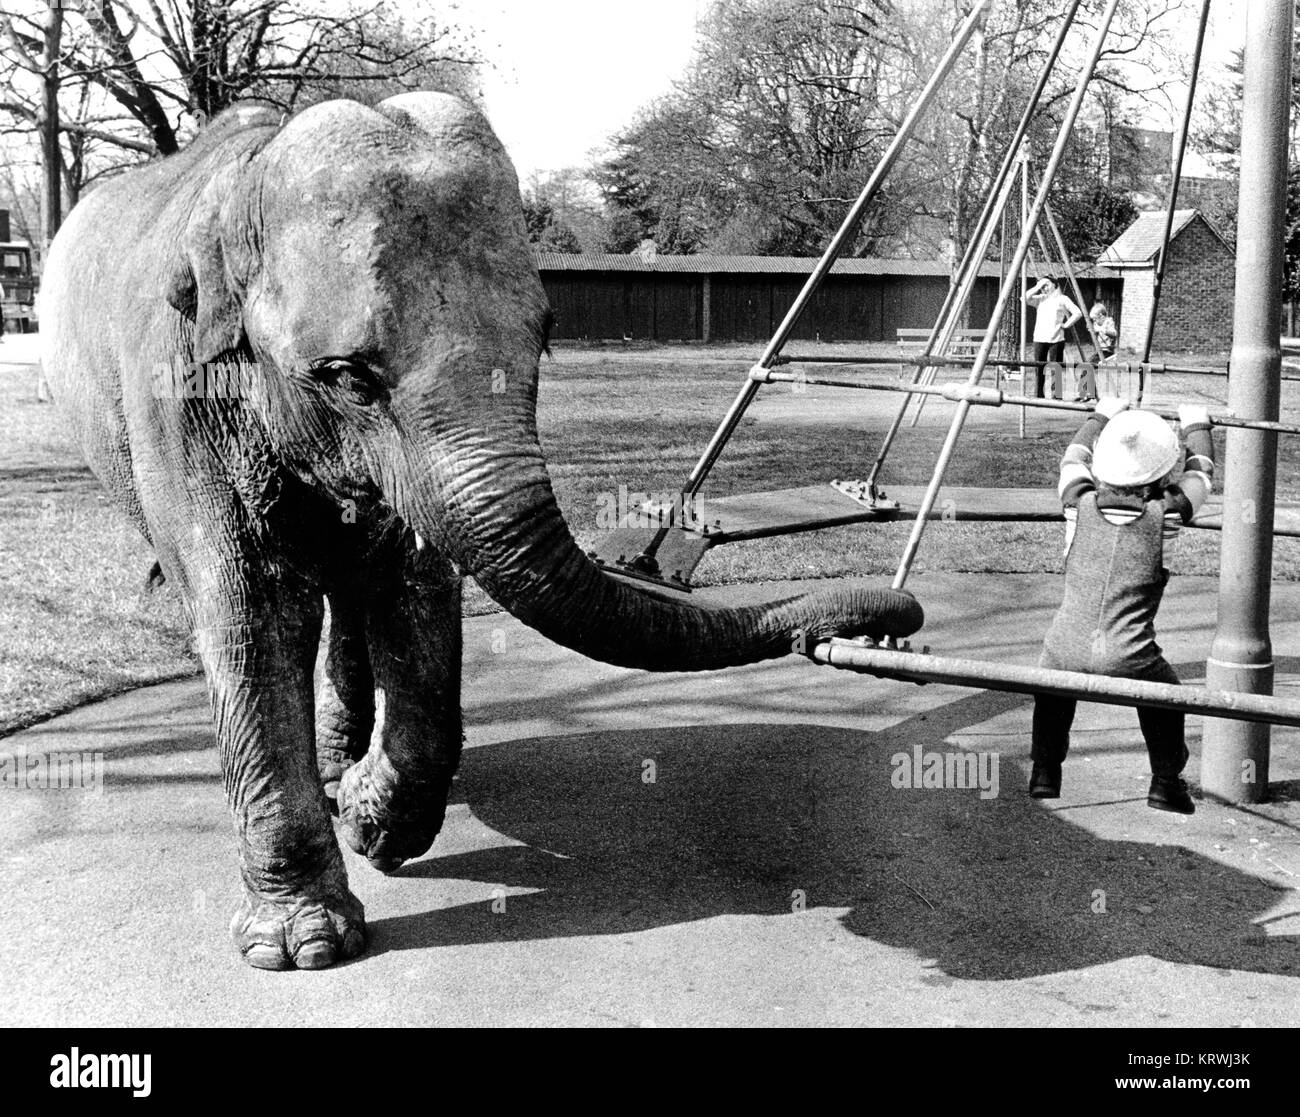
(373, 265)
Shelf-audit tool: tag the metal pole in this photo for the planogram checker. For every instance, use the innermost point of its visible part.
(972, 260)
(950, 326)
(991, 205)
(990, 336)
(1176, 178)
(995, 397)
(1024, 285)
(968, 362)
(1066, 684)
(1234, 764)
(1002, 278)
(950, 314)
(746, 395)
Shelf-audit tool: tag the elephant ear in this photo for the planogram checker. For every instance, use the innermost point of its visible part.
(207, 280)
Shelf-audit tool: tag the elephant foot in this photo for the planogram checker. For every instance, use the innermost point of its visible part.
(305, 933)
(385, 827)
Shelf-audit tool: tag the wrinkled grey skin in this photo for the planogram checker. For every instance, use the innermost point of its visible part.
(365, 271)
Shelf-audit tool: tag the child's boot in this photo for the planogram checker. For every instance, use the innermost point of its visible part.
(1045, 781)
(1169, 793)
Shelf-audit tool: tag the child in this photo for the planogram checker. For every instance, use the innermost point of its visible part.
(1106, 333)
(1122, 508)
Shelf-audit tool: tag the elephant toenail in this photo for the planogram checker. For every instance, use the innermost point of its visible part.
(263, 957)
(315, 955)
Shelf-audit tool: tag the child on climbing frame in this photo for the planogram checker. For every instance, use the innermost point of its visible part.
(1125, 502)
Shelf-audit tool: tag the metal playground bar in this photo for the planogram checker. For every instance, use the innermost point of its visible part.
(947, 361)
(893, 663)
(996, 397)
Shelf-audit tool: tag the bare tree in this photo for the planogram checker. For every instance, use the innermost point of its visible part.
(788, 104)
(959, 151)
(163, 63)
(48, 123)
(88, 77)
(562, 211)
(763, 143)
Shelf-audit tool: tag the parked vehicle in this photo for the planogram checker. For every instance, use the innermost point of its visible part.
(18, 280)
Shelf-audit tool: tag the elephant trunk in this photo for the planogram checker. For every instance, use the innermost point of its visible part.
(496, 514)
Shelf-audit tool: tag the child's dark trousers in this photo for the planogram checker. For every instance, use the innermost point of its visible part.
(1163, 729)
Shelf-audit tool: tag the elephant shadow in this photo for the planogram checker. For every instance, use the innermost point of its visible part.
(620, 832)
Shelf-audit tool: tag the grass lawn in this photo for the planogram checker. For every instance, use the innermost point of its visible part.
(79, 625)
(640, 417)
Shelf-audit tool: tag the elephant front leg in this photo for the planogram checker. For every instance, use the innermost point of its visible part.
(258, 649)
(391, 804)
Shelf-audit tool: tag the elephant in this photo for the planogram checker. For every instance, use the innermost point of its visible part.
(301, 355)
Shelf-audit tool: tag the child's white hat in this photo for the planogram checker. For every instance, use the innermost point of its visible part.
(1134, 448)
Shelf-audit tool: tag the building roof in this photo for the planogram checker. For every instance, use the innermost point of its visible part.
(713, 264)
(1140, 242)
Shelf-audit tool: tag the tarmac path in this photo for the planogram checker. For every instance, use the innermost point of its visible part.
(769, 873)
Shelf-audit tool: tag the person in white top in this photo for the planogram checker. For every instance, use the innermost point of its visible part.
(1055, 314)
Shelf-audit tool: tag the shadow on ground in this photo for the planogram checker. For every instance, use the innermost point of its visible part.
(750, 817)
(742, 819)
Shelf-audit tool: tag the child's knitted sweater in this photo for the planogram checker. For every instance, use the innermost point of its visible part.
(1182, 499)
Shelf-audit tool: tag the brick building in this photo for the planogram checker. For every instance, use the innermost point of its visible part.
(1196, 298)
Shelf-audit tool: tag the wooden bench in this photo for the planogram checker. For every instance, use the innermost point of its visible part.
(965, 343)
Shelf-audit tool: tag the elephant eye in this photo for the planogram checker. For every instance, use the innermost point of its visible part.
(351, 376)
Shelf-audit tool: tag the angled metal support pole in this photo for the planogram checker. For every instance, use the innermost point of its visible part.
(846, 230)
(967, 285)
(972, 259)
(1002, 278)
(1234, 764)
(1158, 277)
(990, 336)
(1022, 314)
